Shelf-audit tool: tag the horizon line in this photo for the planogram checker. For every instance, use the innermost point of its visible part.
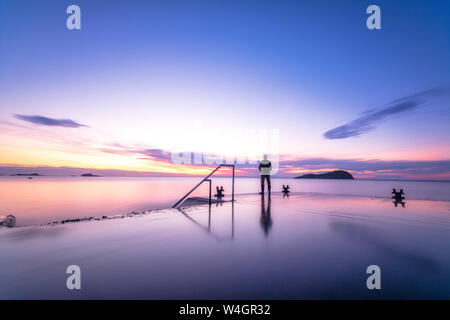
(199, 176)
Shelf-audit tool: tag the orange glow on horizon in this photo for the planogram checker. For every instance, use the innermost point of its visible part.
(32, 147)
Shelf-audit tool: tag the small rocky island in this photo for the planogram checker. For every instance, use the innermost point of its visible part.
(89, 175)
(8, 221)
(338, 174)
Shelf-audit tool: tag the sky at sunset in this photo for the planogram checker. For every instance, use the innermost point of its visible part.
(143, 79)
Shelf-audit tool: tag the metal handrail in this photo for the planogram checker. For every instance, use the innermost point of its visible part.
(207, 179)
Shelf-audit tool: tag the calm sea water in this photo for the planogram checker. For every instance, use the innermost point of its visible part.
(315, 244)
(46, 199)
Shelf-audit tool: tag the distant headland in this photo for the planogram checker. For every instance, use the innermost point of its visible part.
(89, 175)
(338, 174)
(27, 174)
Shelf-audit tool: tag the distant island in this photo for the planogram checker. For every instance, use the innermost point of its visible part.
(27, 174)
(339, 174)
(89, 175)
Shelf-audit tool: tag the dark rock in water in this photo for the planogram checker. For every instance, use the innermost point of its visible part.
(9, 221)
(220, 192)
(339, 174)
(89, 175)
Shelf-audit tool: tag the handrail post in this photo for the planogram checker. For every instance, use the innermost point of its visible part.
(209, 180)
(232, 192)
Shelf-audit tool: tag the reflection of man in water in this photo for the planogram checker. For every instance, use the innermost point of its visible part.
(265, 167)
(266, 220)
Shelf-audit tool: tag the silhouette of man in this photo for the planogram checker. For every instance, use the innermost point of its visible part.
(265, 167)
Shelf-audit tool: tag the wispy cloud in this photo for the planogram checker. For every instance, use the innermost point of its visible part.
(370, 119)
(294, 166)
(438, 169)
(45, 121)
(157, 154)
(145, 153)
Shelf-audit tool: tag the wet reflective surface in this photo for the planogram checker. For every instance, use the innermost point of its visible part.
(45, 199)
(316, 246)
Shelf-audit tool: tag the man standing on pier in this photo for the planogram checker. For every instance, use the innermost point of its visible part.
(265, 167)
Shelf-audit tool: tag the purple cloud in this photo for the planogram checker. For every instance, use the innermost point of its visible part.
(358, 166)
(45, 121)
(369, 120)
(148, 154)
(157, 154)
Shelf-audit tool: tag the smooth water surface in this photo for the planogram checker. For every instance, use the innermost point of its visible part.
(302, 246)
(46, 199)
